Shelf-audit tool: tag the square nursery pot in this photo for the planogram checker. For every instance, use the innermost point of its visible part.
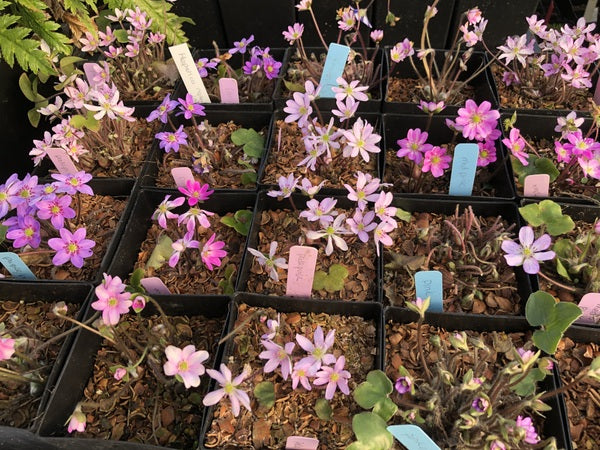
(106, 213)
(399, 342)
(278, 221)
(145, 404)
(157, 172)
(357, 337)
(491, 181)
(413, 251)
(402, 83)
(540, 129)
(27, 308)
(263, 102)
(375, 56)
(286, 150)
(189, 276)
(410, 25)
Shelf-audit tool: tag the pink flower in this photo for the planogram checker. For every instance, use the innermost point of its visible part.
(517, 48)
(402, 50)
(436, 161)
(525, 423)
(293, 33)
(77, 421)
(196, 191)
(361, 139)
(301, 374)
(352, 89)
(528, 252)
(335, 377)
(298, 109)
(120, 373)
(56, 210)
(138, 304)
(320, 210)
(478, 122)
(474, 15)
(487, 153)
(112, 300)
(345, 109)
(212, 252)
(185, 364)
(361, 224)
(229, 388)
(277, 356)
(318, 351)
(366, 186)
(7, 348)
(71, 246)
(516, 145)
(376, 35)
(414, 145)
(163, 212)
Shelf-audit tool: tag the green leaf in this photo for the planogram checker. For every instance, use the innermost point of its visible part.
(386, 409)
(26, 88)
(67, 64)
(34, 116)
(547, 213)
(293, 87)
(265, 394)
(535, 166)
(527, 386)
(371, 432)
(510, 121)
(121, 36)
(3, 231)
(249, 178)
(377, 387)
(161, 253)
(539, 308)
(253, 142)
(240, 221)
(227, 283)
(323, 409)
(403, 215)
(45, 29)
(135, 280)
(78, 121)
(561, 270)
(332, 282)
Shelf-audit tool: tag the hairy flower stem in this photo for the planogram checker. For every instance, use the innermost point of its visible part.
(565, 387)
(420, 347)
(560, 285)
(14, 376)
(83, 325)
(241, 326)
(312, 14)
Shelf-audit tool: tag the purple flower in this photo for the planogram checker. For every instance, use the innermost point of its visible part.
(162, 112)
(480, 404)
(271, 67)
(293, 33)
(26, 232)
(5, 190)
(414, 145)
(253, 65)
(188, 108)
(526, 424)
(403, 385)
(436, 161)
(229, 388)
(71, 184)
(24, 193)
(477, 122)
(182, 244)
(298, 109)
(112, 299)
(56, 210)
(71, 246)
(528, 252)
(277, 356)
(318, 351)
(322, 211)
(203, 64)
(361, 139)
(186, 364)
(196, 191)
(212, 252)
(335, 377)
(172, 140)
(242, 45)
(163, 212)
(287, 185)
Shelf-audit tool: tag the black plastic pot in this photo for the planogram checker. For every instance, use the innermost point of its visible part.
(257, 120)
(482, 83)
(369, 311)
(410, 25)
(146, 203)
(79, 367)
(555, 423)
(30, 292)
(266, 203)
(373, 119)
(396, 127)
(327, 104)
(507, 210)
(207, 18)
(537, 127)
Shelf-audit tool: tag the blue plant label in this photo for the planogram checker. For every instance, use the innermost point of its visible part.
(464, 165)
(428, 283)
(333, 68)
(412, 437)
(15, 265)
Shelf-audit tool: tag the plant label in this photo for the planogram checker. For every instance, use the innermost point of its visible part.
(15, 265)
(333, 68)
(301, 443)
(189, 73)
(590, 306)
(428, 283)
(182, 175)
(301, 271)
(90, 73)
(228, 88)
(154, 286)
(62, 161)
(464, 165)
(536, 185)
(412, 437)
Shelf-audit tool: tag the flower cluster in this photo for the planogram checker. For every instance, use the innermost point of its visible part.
(43, 211)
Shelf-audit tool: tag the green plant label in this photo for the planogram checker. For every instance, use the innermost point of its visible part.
(189, 73)
(590, 307)
(301, 271)
(428, 283)
(536, 185)
(464, 164)
(333, 68)
(15, 265)
(412, 437)
(301, 443)
(228, 90)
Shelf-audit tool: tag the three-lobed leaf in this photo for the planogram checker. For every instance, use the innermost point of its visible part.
(536, 166)
(252, 142)
(323, 409)
(161, 253)
(547, 213)
(265, 394)
(332, 281)
(371, 433)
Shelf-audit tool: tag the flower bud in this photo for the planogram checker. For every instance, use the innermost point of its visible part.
(139, 303)
(60, 309)
(120, 373)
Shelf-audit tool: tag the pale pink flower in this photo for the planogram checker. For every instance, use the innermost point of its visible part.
(529, 251)
(112, 300)
(186, 364)
(7, 348)
(335, 377)
(229, 388)
(318, 350)
(402, 50)
(352, 89)
(277, 356)
(77, 421)
(361, 139)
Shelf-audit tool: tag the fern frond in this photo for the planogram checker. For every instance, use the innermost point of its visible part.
(14, 43)
(45, 29)
(33, 5)
(80, 7)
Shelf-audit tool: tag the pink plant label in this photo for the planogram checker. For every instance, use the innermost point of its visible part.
(62, 161)
(228, 88)
(301, 443)
(590, 306)
(90, 73)
(181, 175)
(536, 185)
(412, 437)
(186, 66)
(15, 265)
(301, 271)
(154, 286)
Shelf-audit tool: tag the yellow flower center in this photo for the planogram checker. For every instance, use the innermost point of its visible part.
(72, 247)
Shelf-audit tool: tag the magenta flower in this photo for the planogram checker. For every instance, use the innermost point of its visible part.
(581, 146)
(188, 108)
(138, 304)
(163, 212)
(271, 67)
(71, 184)
(24, 193)
(318, 351)
(531, 436)
(270, 262)
(212, 252)
(322, 211)
(361, 139)
(229, 388)
(185, 364)
(487, 153)
(335, 377)
(71, 246)
(436, 161)
(172, 140)
(112, 300)
(414, 145)
(25, 232)
(277, 356)
(162, 112)
(293, 33)
(516, 145)
(528, 252)
(478, 122)
(403, 385)
(77, 421)
(298, 109)
(56, 210)
(196, 191)
(7, 348)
